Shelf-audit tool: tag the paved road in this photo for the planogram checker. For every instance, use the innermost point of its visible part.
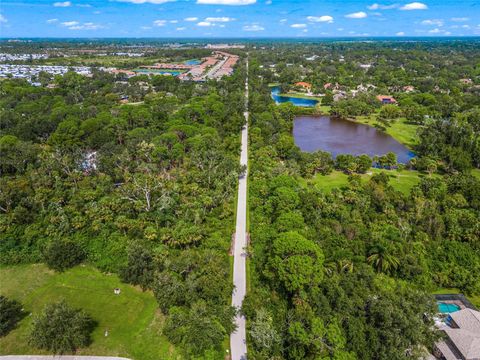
(238, 340)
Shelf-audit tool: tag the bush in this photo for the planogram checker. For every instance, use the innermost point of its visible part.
(139, 269)
(62, 255)
(10, 314)
(60, 329)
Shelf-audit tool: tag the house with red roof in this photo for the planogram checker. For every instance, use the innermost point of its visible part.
(386, 100)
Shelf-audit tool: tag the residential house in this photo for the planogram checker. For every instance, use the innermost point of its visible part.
(462, 342)
(304, 85)
(386, 100)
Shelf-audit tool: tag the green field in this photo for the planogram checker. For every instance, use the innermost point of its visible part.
(399, 129)
(401, 180)
(132, 318)
(300, 95)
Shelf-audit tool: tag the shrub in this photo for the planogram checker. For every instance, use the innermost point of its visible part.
(10, 314)
(60, 329)
(62, 255)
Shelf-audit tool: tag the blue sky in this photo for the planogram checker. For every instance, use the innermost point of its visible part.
(238, 18)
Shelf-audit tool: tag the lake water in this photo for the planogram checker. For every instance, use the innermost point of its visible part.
(192, 62)
(339, 136)
(296, 101)
(158, 72)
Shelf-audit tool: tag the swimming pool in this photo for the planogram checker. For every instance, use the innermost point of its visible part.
(445, 308)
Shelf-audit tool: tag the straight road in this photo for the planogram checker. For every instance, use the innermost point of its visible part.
(238, 339)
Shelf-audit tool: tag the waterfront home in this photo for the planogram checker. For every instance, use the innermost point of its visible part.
(304, 85)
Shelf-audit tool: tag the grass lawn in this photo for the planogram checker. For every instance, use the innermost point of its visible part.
(300, 95)
(476, 173)
(403, 180)
(400, 130)
(132, 318)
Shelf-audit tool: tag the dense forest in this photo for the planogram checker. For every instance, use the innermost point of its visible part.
(145, 190)
(348, 273)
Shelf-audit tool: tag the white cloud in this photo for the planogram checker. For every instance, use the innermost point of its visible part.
(219, 19)
(434, 22)
(145, 27)
(173, 21)
(283, 20)
(268, 2)
(400, 33)
(84, 5)
(414, 6)
(226, 2)
(460, 19)
(253, 27)
(191, 19)
(381, 7)
(435, 31)
(357, 15)
(180, 28)
(160, 22)
(298, 26)
(70, 23)
(157, 2)
(3, 19)
(51, 21)
(62, 4)
(204, 23)
(323, 18)
(74, 25)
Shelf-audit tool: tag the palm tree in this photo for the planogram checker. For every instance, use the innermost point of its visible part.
(382, 258)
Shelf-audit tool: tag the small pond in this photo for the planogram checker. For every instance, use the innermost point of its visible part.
(192, 62)
(158, 72)
(275, 91)
(339, 136)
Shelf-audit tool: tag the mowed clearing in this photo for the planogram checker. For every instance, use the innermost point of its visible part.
(132, 318)
(400, 180)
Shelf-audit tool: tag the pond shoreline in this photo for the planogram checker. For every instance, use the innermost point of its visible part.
(341, 136)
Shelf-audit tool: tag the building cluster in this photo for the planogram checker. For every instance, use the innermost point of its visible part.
(215, 66)
(29, 72)
(22, 57)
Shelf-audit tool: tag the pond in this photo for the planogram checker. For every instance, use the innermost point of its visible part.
(192, 62)
(339, 136)
(158, 72)
(279, 99)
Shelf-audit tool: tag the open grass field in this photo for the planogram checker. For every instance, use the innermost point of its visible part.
(132, 318)
(401, 180)
(400, 130)
(476, 173)
(300, 95)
